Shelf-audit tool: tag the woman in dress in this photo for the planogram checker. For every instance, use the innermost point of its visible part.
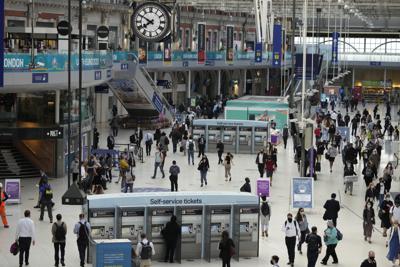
(301, 219)
(387, 176)
(384, 214)
(368, 221)
(393, 243)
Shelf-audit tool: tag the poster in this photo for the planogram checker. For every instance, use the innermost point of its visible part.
(116, 252)
(302, 192)
(201, 42)
(258, 53)
(13, 189)
(263, 186)
(142, 52)
(229, 43)
(344, 132)
(335, 47)
(277, 46)
(167, 55)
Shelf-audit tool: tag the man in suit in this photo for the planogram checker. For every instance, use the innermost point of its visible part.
(260, 161)
(332, 208)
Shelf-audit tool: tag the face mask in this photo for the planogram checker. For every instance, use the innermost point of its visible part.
(302, 213)
(290, 220)
(372, 258)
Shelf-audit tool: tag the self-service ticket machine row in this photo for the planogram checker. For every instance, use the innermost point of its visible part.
(238, 136)
(201, 227)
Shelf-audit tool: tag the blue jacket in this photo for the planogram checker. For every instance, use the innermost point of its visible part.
(330, 236)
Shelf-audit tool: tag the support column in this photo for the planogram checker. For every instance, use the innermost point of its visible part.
(189, 84)
(57, 107)
(244, 82)
(263, 93)
(219, 83)
(353, 77)
(384, 78)
(155, 77)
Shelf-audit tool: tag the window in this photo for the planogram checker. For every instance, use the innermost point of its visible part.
(393, 46)
(215, 41)
(15, 23)
(43, 24)
(208, 39)
(186, 43)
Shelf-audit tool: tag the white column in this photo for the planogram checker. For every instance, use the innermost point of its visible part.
(57, 107)
(384, 78)
(189, 84)
(155, 77)
(219, 83)
(354, 77)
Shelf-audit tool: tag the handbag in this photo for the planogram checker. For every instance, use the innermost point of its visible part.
(232, 251)
(14, 249)
(326, 155)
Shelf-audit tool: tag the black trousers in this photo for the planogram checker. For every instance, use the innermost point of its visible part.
(220, 157)
(170, 251)
(226, 262)
(148, 149)
(201, 150)
(115, 131)
(330, 251)
(82, 251)
(334, 220)
(49, 206)
(174, 183)
(59, 248)
(24, 246)
(291, 245)
(75, 177)
(261, 169)
(312, 257)
(302, 239)
(284, 142)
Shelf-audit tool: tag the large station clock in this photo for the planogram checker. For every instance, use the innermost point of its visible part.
(151, 21)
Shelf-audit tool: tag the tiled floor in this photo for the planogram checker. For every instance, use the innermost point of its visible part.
(351, 251)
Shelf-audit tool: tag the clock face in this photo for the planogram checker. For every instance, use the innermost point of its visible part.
(151, 22)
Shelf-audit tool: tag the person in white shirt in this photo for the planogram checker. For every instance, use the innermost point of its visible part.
(144, 250)
(82, 230)
(25, 235)
(292, 230)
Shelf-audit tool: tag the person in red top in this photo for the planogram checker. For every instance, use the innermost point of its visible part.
(317, 133)
(3, 199)
(269, 168)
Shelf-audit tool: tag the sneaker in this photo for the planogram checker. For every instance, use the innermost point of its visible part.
(36, 207)
(206, 183)
(323, 263)
(62, 263)
(201, 185)
(335, 262)
(152, 177)
(6, 226)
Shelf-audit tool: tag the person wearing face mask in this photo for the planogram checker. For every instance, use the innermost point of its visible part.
(291, 230)
(387, 176)
(331, 241)
(314, 246)
(375, 159)
(301, 219)
(384, 214)
(380, 191)
(274, 261)
(370, 262)
(393, 243)
(368, 221)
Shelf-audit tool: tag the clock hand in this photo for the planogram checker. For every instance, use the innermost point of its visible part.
(151, 21)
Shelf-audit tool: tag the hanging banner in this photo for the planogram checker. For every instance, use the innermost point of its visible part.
(201, 42)
(167, 51)
(302, 192)
(229, 43)
(2, 44)
(335, 47)
(13, 189)
(142, 52)
(258, 53)
(277, 46)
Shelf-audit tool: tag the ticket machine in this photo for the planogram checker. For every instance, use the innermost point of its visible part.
(220, 221)
(249, 231)
(102, 222)
(214, 134)
(131, 223)
(260, 138)
(157, 219)
(191, 237)
(229, 139)
(245, 135)
(198, 130)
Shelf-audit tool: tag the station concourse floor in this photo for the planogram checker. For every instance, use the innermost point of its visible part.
(351, 251)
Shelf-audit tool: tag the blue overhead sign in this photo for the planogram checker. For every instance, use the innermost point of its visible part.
(277, 46)
(40, 77)
(258, 53)
(335, 47)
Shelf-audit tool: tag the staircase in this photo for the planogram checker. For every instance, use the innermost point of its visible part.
(13, 164)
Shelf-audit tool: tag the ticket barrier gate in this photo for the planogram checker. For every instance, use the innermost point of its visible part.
(102, 224)
(245, 139)
(248, 231)
(260, 138)
(229, 138)
(130, 223)
(191, 231)
(214, 134)
(197, 132)
(156, 220)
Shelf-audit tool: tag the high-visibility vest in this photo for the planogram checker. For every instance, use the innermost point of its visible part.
(2, 203)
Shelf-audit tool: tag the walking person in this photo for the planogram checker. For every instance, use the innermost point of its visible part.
(314, 246)
(292, 231)
(220, 151)
(171, 234)
(174, 170)
(332, 208)
(331, 155)
(368, 221)
(260, 161)
(301, 219)
(201, 143)
(46, 196)
(384, 214)
(25, 236)
(226, 249)
(265, 216)
(43, 179)
(110, 142)
(331, 241)
(59, 232)
(228, 165)
(82, 230)
(393, 243)
(190, 147)
(203, 167)
(75, 169)
(158, 162)
(370, 261)
(114, 126)
(145, 250)
(3, 199)
(285, 135)
(129, 180)
(148, 141)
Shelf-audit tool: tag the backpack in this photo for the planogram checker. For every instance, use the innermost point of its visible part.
(339, 235)
(265, 209)
(146, 251)
(191, 146)
(60, 232)
(83, 234)
(48, 193)
(368, 172)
